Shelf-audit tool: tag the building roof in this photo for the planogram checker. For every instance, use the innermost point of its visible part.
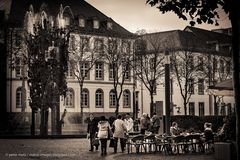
(159, 41)
(191, 38)
(209, 36)
(79, 8)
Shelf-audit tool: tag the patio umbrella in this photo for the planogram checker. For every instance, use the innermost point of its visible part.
(224, 88)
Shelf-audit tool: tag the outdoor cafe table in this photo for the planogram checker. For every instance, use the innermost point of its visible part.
(139, 142)
(183, 143)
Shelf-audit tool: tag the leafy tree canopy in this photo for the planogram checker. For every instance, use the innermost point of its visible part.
(200, 11)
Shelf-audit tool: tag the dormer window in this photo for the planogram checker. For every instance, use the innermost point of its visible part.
(109, 25)
(125, 47)
(81, 22)
(217, 47)
(43, 19)
(67, 21)
(95, 24)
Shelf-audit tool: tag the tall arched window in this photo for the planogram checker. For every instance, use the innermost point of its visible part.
(19, 97)
(112, 99)
(99, 98)
(69, 99)
(85, 98)
(126, 99)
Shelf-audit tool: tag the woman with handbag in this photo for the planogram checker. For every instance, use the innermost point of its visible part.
(103, 134)
(119, 133)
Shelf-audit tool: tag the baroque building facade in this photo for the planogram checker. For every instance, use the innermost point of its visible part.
(91, 37)
(198, 59)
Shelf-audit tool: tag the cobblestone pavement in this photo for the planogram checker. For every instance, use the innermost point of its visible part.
(73, 149)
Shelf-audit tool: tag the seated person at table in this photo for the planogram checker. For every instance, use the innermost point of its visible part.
(174, 129)
(208, 133)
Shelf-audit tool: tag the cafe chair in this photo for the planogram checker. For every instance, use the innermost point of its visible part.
(179, 144)
(163, 144)
(209, 146)
(137, 143)
(209, 142)
(149, 143)
(193, 142)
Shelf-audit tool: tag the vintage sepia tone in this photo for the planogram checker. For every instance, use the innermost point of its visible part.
(84, 79)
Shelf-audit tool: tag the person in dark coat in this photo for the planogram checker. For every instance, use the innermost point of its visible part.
(92, 130)
(155, 123)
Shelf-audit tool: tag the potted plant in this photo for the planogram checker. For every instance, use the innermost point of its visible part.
(225, 148)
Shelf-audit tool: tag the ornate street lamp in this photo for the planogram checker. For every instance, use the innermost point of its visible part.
(47, 45)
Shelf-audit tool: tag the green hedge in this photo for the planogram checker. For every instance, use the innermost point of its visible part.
(196, 123)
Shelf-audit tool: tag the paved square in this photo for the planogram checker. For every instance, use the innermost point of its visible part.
(73, 149)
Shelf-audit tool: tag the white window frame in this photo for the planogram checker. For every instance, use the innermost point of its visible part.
(81, 22)
(85, 98)
(69, 99)
(84, 67)
(99, 71)
(112, 99)
(99, 98)
(19, 97)
(126, 99)
(96, 24)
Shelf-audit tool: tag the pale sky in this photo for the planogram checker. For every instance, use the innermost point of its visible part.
(136, 14)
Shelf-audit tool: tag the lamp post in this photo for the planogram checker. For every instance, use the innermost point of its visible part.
(167, 93)
(47, 56)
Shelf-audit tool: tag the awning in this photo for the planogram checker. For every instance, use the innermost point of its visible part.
(224, 88)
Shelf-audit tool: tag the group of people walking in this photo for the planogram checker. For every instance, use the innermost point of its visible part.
(103, 131)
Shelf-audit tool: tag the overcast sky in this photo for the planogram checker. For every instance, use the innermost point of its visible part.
(135, 14)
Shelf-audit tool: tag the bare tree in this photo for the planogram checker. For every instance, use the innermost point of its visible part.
(185, 68)
(83, 56)
(118, 57)
(149, 63)
(217, 68)
(184, 72)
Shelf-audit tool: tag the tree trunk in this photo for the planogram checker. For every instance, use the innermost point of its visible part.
(81, 104)
(185, 107)
(33, 123)
(55, 118)
(151, 105)
(235, 20)
(44, 123)
(117, 109)
(23, 98)
(215, 105)
(134, 104)
(210, 97)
